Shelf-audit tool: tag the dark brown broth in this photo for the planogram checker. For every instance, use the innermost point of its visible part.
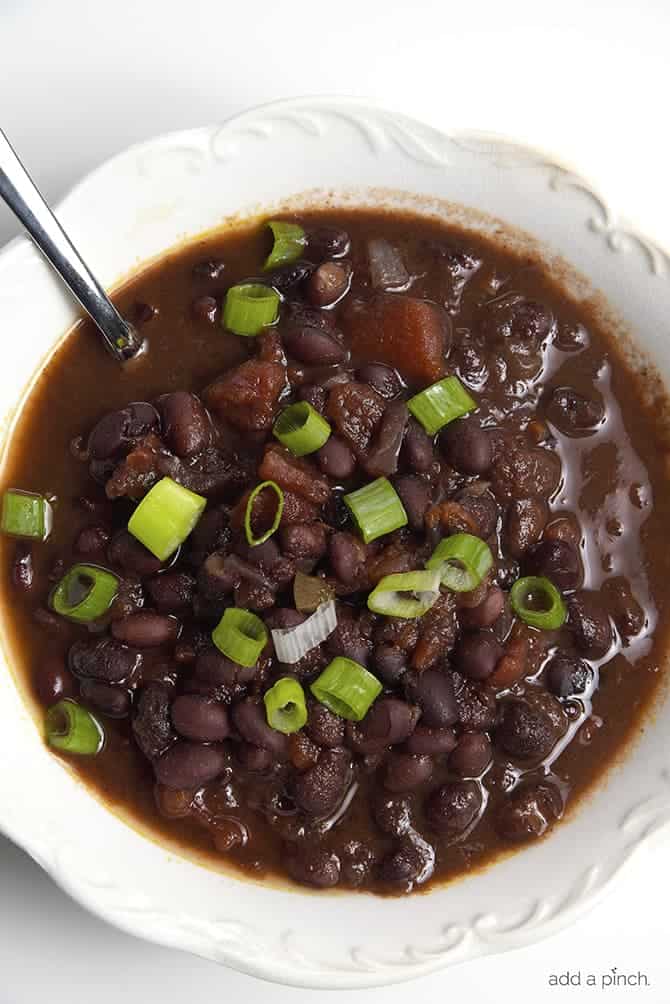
(80, 383)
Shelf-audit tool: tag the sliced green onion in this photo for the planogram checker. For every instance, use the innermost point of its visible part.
(72, 729)
(406, 594)
(285, 706)
(250, 307)
(248, 513)
(376, 509)
(537, 601)
(165, 517)
(289, 241)
(440, 404)
(301, 429)
(241, 636)
(462, 561)
(291, 644)
(309, 592)
(85, 593)
(26, 514)
(346, 688)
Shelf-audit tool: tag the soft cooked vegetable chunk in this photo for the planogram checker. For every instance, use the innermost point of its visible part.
(356, 410)
(412, 335)
(293, 474)
(248, 396)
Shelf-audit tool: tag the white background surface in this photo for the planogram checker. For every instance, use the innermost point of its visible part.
(587, 81)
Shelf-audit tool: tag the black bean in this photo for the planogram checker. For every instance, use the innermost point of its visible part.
(528, 728)
(172, 592)
(305, 541)
(321, 789)
(391, 813)
(348, 556)
(507, 573)
(284, 617)
(104, 659)
(415, 496)
(327, 242)
(381, 457)
(357, 862)
(111, 701)
(567, 675)
(196, 718)
(572, 413)
(476, 705)
(336, 460)
(525, 520)
(389, 663)
(212, 533)
(126, 552)
(189, 765)
(313, 866)
(558, 560)
(328, 283)
(483, 508)
(173, 803)
(219, 574)
(472, 755)
(250, 721)
(529, 812)
(205, 308)
(417, 448)
(412, 861)
(433, 691)
(625, 610)
(254, 758)
(286, 277)
(146, 630)
(383, 379)
(212, 269)
(92, 539)
(520, 471)
(323, 726)
(486, 613)
(477, 654)
(314, 347)
(466, 446)
(590, 624)
(406, 771)
(452, 809)
(152, 726)
(186, 425)
(53, 681)
(143, 313)
(388, 722)
(431, 742)
(23, 572)
(116, 432)
(315, 395)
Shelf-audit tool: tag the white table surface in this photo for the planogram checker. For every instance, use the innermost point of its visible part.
(588, 81)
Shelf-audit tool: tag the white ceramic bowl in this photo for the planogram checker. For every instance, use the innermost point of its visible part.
(133, 208)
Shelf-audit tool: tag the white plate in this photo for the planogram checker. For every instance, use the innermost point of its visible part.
(136, 206)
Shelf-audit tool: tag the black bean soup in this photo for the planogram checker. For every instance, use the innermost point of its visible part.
(430, 629)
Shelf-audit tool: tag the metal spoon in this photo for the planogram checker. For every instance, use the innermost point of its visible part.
(22, 196)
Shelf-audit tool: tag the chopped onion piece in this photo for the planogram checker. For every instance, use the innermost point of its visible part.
(309, 592)
(292, 643)
(387, 270)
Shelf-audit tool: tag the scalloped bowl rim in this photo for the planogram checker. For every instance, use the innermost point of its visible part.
(311, 940)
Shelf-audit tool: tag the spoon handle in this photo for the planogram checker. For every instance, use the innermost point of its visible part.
(22, 196)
